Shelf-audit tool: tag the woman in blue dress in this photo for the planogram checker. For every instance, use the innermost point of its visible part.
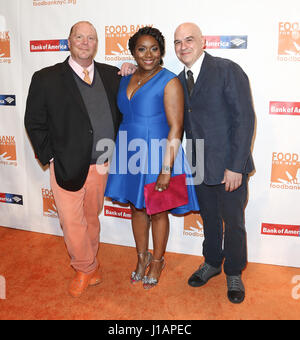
(152, 103)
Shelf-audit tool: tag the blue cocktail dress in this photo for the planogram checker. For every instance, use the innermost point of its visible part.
(140, 144)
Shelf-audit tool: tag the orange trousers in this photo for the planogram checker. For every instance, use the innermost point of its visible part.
(78, 213)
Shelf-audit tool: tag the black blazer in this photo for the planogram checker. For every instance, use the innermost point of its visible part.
(58, 124)
(220, 111)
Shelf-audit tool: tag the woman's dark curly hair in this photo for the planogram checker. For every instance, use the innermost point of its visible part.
(153, 32)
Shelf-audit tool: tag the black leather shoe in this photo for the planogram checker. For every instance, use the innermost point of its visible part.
(203, 275)
(236, 289)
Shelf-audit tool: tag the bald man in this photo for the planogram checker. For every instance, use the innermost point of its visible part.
(218, 110)
(70, 107)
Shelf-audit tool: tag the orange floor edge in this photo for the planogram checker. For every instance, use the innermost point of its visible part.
(35, 273)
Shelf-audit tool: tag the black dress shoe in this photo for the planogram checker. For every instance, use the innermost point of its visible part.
(236, 289)
(203, 275)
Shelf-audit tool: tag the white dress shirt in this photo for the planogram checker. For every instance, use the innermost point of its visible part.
(196, 68)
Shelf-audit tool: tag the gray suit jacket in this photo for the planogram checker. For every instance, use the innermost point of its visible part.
(220, 111)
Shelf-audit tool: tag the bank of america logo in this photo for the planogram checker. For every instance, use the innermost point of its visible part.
(280, 229)
(11, 198)
(238, 42)
(57, 45)
(226, 41)
(9, 100)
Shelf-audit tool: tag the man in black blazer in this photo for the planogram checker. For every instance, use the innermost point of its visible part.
(218, 110)
(70, 107)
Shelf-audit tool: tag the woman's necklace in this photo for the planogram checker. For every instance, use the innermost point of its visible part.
(147, 76)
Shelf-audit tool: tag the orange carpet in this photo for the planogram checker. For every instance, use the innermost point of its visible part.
(36, 271)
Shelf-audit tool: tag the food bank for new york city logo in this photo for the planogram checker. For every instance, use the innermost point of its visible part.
(193, 225)
(4, 45)
(53, 3)
(8, 154)
(5, 56)
(49, 207)
(285, 171)
(116, 41)
(289, 41)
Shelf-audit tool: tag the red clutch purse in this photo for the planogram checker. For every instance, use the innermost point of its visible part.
(175, 196)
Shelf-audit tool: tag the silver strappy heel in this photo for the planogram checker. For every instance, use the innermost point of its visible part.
(150, 282)
(138, 276)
